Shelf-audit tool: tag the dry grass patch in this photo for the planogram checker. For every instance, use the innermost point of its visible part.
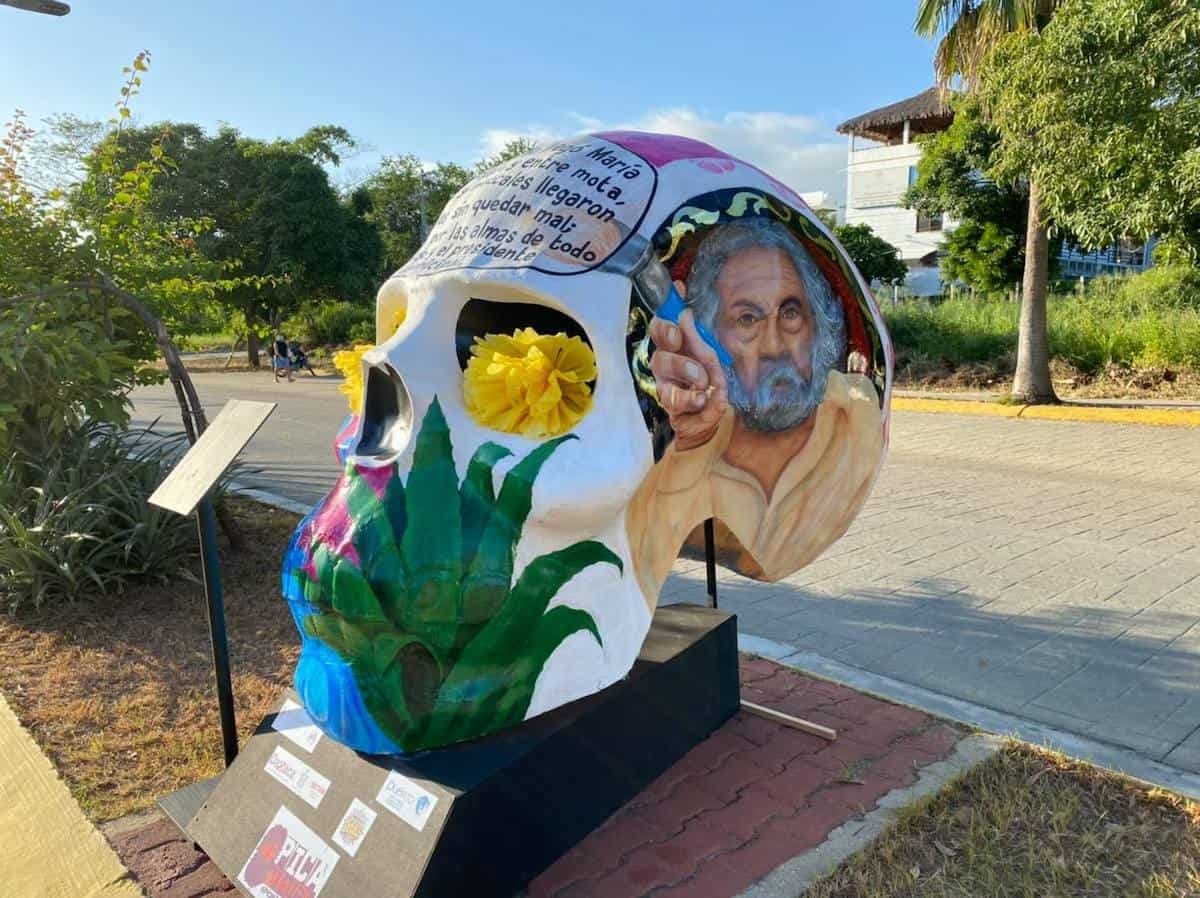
(1032, 823)
(119, 692)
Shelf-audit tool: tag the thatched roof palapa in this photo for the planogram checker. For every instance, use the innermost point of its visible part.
(927, 111)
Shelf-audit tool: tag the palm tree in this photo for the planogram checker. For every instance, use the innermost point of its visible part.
(969, 29)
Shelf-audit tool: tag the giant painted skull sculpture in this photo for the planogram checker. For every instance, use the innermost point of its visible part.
(469, 572)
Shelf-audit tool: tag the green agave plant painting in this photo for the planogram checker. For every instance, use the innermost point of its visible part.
(442, 644)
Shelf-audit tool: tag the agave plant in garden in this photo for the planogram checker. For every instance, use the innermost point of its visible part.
(420, 601)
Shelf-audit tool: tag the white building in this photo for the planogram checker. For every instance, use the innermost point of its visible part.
(820, 201)
(882, 164)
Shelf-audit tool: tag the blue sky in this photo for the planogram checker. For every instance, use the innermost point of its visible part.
(453, 80)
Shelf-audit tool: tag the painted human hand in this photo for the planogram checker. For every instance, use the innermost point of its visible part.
(691, 382)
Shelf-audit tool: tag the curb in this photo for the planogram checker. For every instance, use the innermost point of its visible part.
(1102, 754)
(1155, 417)
(794, 877)
(239, 488)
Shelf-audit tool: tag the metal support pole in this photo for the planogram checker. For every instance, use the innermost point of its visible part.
(710, 561)
(207, 521)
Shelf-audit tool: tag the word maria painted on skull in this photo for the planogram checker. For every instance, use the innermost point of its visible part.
(562, 209)
(290, 861)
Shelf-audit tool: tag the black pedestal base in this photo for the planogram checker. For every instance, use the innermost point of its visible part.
(503, 808)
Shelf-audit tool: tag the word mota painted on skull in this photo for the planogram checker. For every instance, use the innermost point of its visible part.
(563, 209)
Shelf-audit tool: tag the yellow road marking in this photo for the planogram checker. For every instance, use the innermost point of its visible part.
(1155, 417)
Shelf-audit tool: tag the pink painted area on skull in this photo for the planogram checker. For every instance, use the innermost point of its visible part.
(659, 149)
(377, 477)
(716, 166)
(341, 442)
(332, 526)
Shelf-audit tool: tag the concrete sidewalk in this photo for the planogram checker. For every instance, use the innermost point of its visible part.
(1047, 570)
(48, 848)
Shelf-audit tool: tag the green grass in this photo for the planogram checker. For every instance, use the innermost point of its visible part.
(215, 341)
(1145, 321)
(1030, 823)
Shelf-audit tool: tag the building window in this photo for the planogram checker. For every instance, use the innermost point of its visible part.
(926, 223)
(912, 175)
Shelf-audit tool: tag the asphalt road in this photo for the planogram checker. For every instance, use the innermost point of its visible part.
(1048, 570)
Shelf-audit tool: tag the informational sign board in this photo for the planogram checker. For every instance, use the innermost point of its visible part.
(199, 470)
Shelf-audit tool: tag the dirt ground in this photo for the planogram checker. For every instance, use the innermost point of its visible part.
(119, 692)
(1115, 382)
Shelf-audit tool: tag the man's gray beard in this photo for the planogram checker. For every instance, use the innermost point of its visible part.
(783, 399)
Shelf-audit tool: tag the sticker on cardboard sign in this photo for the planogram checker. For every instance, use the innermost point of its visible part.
(289, 861)
(355, 825)
(407, 800)
(293, 721)
(286, 768)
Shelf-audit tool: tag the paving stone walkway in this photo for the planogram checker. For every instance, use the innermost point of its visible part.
(750, 798)
(1045, 569)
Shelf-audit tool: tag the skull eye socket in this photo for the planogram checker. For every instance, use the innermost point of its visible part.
(527, 368)
(480, 317)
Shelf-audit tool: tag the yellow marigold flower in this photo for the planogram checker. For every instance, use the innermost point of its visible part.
(349, 362)
(529, 383)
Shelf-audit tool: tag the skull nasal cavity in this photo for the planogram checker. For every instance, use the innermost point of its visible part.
(480, 317)
(387, 415)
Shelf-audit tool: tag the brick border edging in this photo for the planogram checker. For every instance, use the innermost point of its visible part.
(979, 717)
(794, 877)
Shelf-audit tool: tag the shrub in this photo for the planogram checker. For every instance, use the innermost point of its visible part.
(362, 332)
(958, 330)
(1147, 320)
(63, 359)
(332, 322)
(74, 521)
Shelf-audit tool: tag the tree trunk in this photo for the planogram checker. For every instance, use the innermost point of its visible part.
(252, 347)
(1031, 383)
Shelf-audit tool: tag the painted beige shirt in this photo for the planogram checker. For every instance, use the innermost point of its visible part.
(814, 500)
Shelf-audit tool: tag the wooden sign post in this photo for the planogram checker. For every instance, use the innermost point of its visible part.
(186, 489)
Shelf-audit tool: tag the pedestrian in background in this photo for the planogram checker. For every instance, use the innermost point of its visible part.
(279, 358)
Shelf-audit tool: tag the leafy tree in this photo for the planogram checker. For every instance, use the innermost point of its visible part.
(984, 250)
(1102, 110)
(970, 30)
(35, 243)
(876, 259)
(275, 217)
(984, 255)
(511, 150)
(403, 200)
(67, 351)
